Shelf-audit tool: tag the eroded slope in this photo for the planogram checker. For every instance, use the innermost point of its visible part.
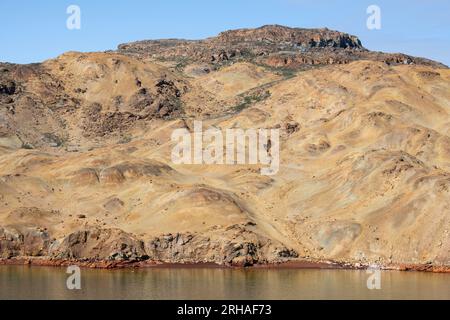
(86, 171)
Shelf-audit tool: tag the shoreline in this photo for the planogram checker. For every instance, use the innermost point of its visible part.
(300, 264)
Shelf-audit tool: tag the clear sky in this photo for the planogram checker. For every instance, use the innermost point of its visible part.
(35, 30)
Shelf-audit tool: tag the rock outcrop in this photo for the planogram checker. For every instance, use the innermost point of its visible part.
(271, 45)
(246, 248)
(28, 242)
(114, 245)
(99, 245)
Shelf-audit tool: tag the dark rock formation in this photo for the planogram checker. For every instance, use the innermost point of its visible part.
(8, 88)
(272, 45)
(246, 249)
(32, 242)
(99, 244)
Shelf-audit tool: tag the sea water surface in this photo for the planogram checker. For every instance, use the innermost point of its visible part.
(25, 282)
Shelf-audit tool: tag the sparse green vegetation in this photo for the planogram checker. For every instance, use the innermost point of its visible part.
(286, 73)
(125, 139)
(27, 146)
(182, 62)
(249, 100)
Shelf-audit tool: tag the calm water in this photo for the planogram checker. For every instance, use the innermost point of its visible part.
(208, 283)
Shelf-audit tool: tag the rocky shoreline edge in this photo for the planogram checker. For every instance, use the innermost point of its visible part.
(237, 246)
(299, 264)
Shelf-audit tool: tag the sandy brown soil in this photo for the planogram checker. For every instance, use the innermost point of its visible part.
(86, 173)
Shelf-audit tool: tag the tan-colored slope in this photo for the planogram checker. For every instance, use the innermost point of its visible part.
(236, 79)
(366, 177)
(364, 174)
(83, 100)
(214, 93)
(102, 77)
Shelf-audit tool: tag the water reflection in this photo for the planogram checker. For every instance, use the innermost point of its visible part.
(208, 283)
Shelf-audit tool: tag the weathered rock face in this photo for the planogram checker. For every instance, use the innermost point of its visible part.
(95, 245)
(245, 249)
(11, 243)
(99, 244)
(162, 101)
(31, 242)
(295, 37)
(248, 43)
(270, 45)
(35, 242)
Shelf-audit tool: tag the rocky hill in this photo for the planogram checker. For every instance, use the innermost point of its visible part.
(272, 45)
(85, 154)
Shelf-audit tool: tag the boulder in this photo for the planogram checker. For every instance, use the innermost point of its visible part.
(100, 244)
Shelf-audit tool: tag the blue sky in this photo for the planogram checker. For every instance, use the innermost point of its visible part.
(33, 31)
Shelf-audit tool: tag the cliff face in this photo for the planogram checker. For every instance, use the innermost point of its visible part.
(85, 153)
(267, 39)
(271, 45)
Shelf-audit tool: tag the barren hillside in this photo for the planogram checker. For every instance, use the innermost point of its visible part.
(86, 170)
